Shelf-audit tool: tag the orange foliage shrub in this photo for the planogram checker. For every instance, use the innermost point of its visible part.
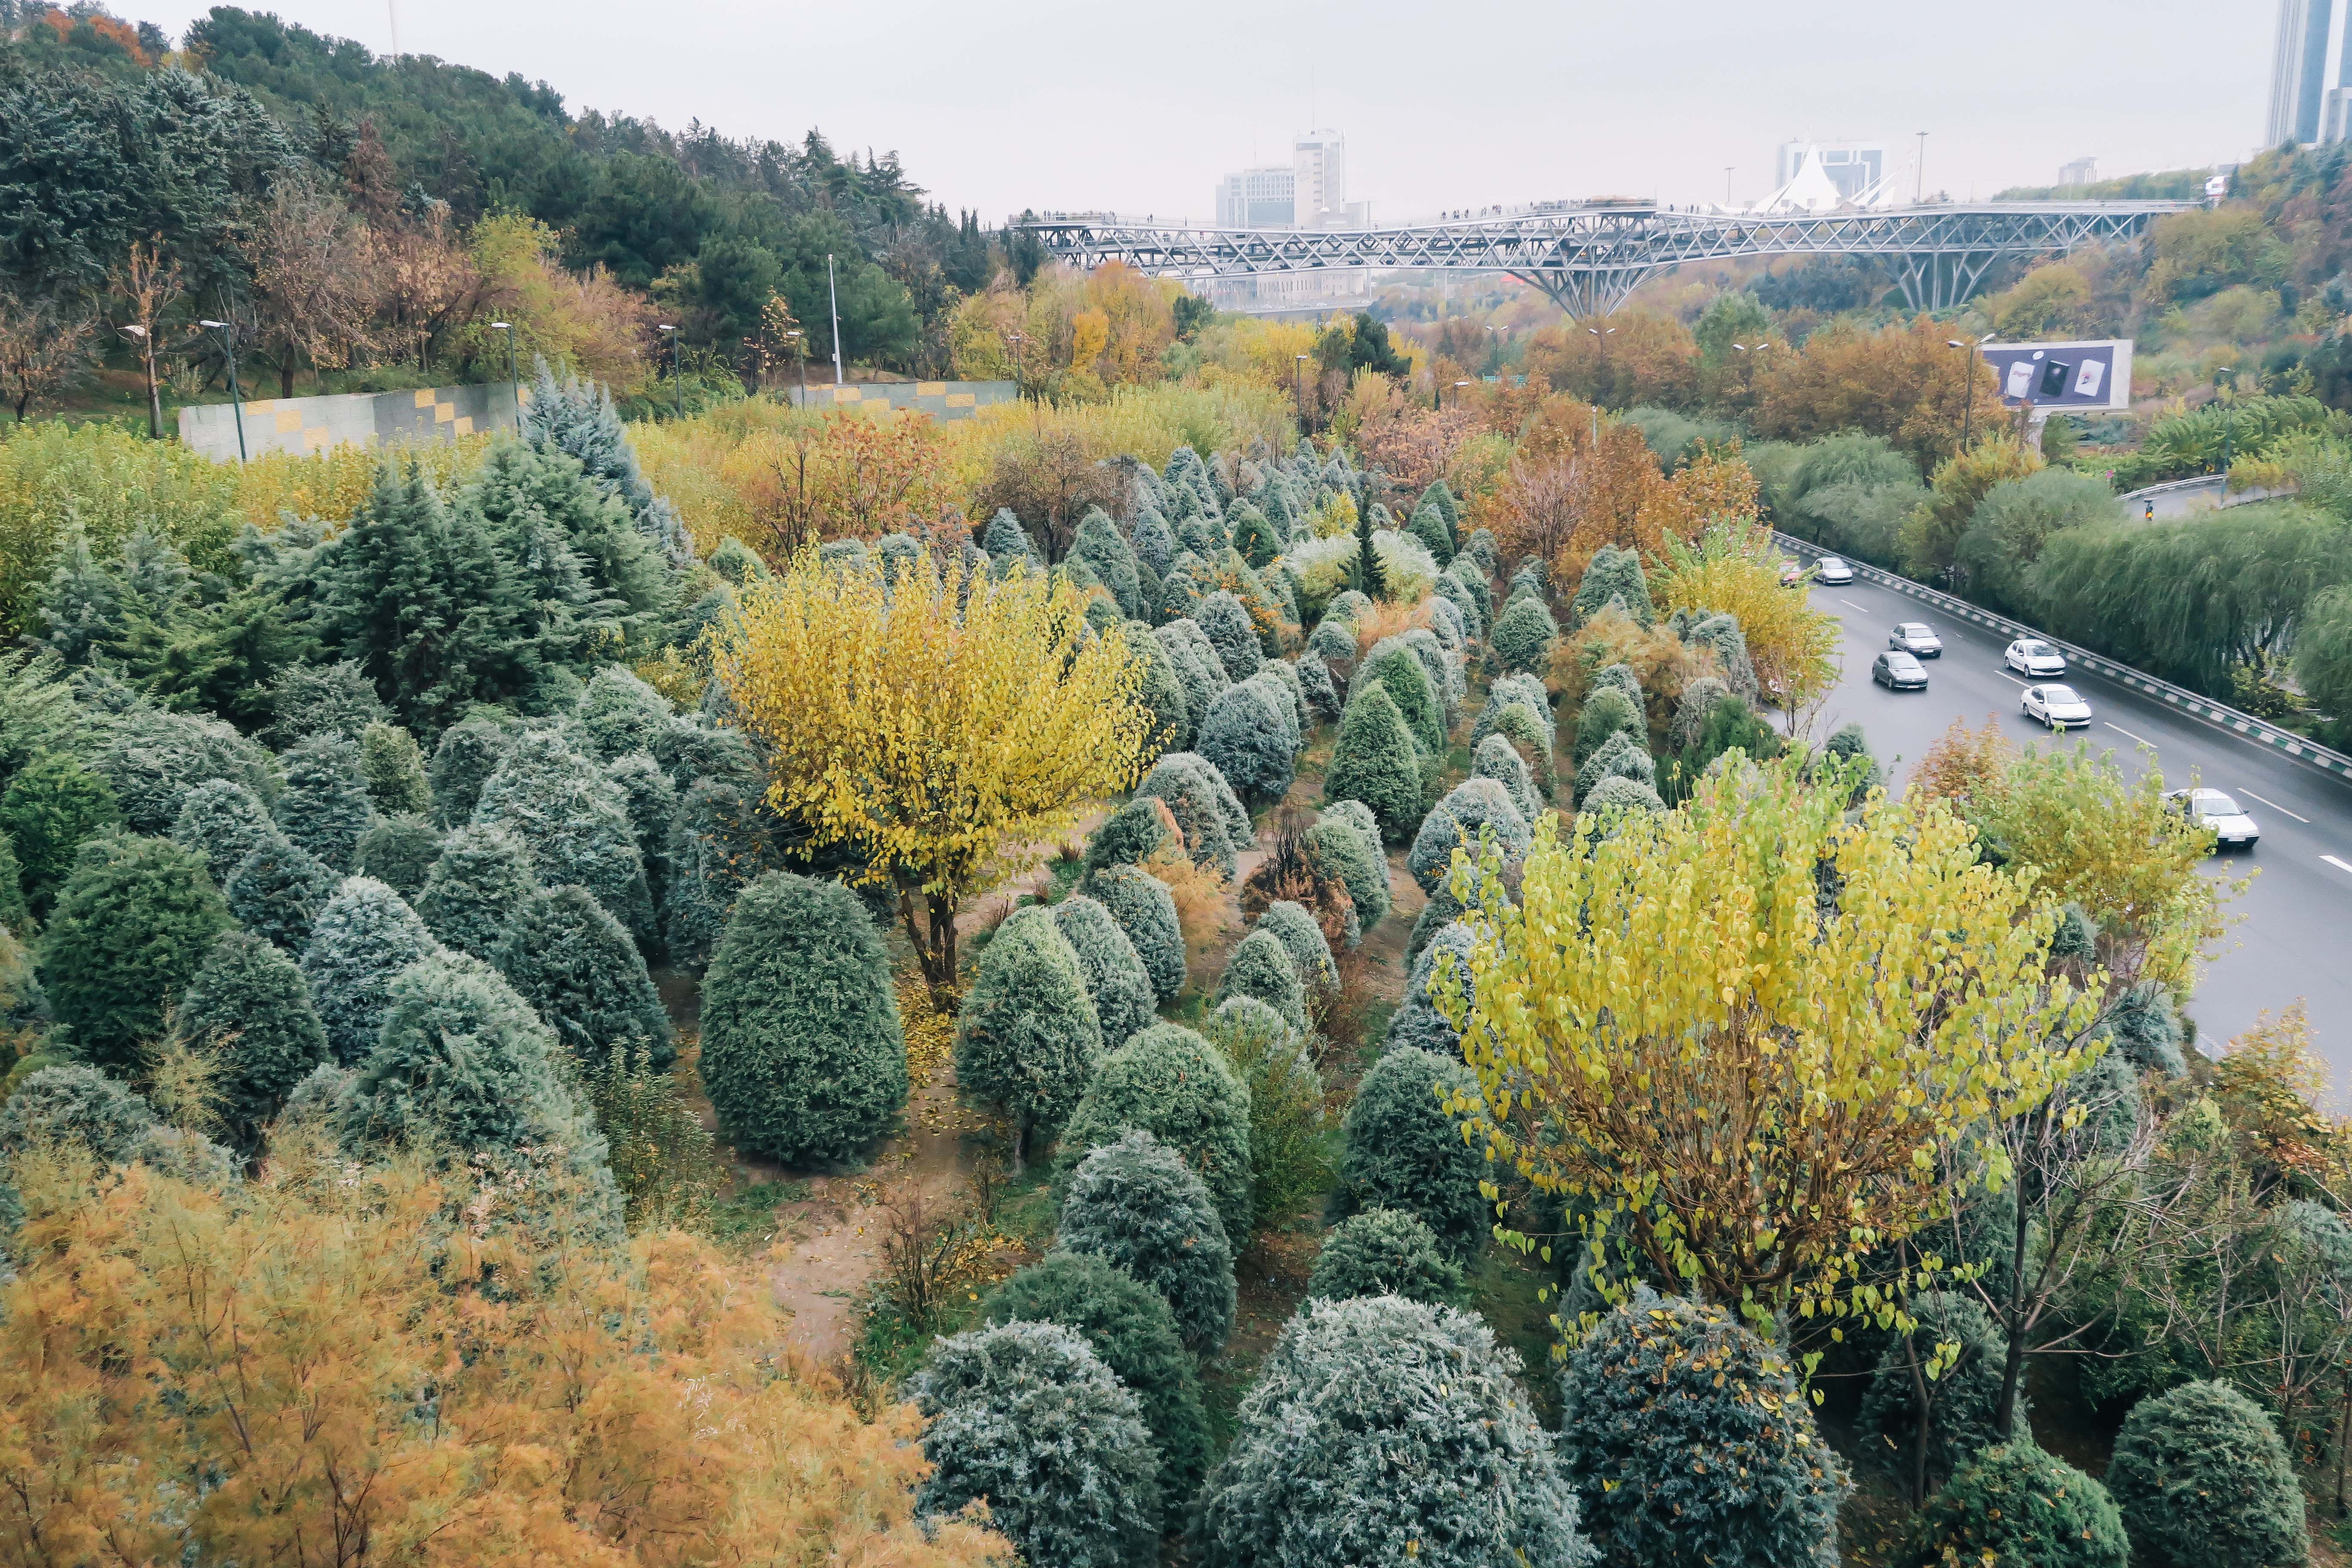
(1964, 767)
(1660, 660)
(1641, 357)
(1204, 902)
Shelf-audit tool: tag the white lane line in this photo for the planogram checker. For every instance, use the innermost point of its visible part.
(2339, 865)
(1851, 604)
(2128, 735)
(2274, 805)
(2006, 675)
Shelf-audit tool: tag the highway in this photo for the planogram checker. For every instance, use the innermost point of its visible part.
(2290, 932)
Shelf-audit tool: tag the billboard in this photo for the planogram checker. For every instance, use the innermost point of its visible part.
(2093, 374)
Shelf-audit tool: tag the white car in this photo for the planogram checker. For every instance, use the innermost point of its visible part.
(1916, 639)
(2032, 656)
(2232, 828)
(2056, 706)
(1833, 570)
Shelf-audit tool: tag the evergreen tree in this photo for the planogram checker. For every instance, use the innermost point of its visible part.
(1345, 842)
(279, 891)
(1007, 542)
(1385, 1252)
(469, 752)
(1417, 1021)
(363, 938)
(651, 801)
(585, 979)
(1921, 1442)
(1471, 813)
(803, 1051)
(519, 486)
(223, 822)
(1309, 949)
(1172, 1084)
(1496, 758)
(1375, 762)
(51, 807)
(1160, 692)
(1405, 1152)
(1198, 669)
(1155, 541)
(1524, 635)
(1441, 496)
(1369, 577)
(131, 925)
(1428, 525)
(715, 848)
(307, 699)
(1250, 743)
(1256, 537)
(399, 852)
(154, 760)
(2202, 1481)
(1261, 967)
(1137, 1205)
(462, 1065)
(1317, 688)
(477, 889)
(1131, 835)
(325, 807)
(621, 714)
(1613, 574)
(1114, 973)
(1098, 545)
(1181, 781)
(1027, 1036)
(394, 770)
(574, 822)
(2014, 1503)
(1146, 911)
(249, 1004)
(577, 419)
(13, 914)
(1419, 701)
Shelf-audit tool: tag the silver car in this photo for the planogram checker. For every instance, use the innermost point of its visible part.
(2036, 660)
(2232, 828)
(2056, 706)
(1916, 639)
(1833, 570)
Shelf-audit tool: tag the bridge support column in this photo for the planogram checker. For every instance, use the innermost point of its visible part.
(1582, 293)
(1939, 279)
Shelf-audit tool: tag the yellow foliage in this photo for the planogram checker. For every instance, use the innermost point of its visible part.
(945, 746)
(2268, 1084)
(1754, 1096)
(334, 1363)
(1734, 567)
(774, 476)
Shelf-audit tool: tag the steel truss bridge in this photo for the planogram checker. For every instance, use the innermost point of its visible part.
(1589, 257)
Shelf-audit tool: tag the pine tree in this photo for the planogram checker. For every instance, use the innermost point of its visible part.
(1135, 1205)
(715, 846)
(577, 419)
(1375, 762)
(132, 923)
(364, 937)
(1161, 693)
(223, 822)
(249, 1004)
(469, 752)
(324, 807)
(574, 822)
(477, 889)
(585, 979)
(279, 891)
(51, 807)
(1146, 911)
(1369, 577)
(394, 770)
(1385, 1252)
(1113, 970)
(1027, 1035)
(309, 699)
(1428, 525)
(1419, 703)
(1098, 545)
(153, 760)
(1174, 1085)
(520, 485)
(1261, 967)
(399, 852)
(461, 1065)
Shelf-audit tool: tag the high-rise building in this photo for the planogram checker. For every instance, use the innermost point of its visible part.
(1852, 167)
(1310, 192)
(2299, 70)
(1258, 198)
(2080, 171)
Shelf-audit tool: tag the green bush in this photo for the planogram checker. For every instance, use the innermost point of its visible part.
(249, 1004)
(1333, 640)
(1309, 951)
(1470, 810)
(574, 822)
(2146, 1028)
(307, 699)
(570, 959)
(717, 843)
(399, 852)
(1607, 714)
(651, 800)
(1345, 842)
(363, 938)
(1524, 635)
(75, 1103)
(1254, 746)
(1114, 972)
(1661, 1383)
(1388, 1431)
(1959, 1418)
(1419, 703)
(469, 752)
(1172, 1084)
(1198, 668)
(1613, 574)
(1623, 677)
(277, 892)
(1720, 634)
(1290, 1163)
(1375, 762)
(1145, 909)
(1132, 834)
(621, 714)
(52, 806)
(1026, 1417)
(154, 759)
(1137, 1204)
(462, 1066)
(1160, 692)
(1526, 691)
(1317, 688)
(1180, 781)
(2014, 1506)
(1496, 758)
(131, 925)
(1621, 794)
(1386, 1252)
(1231, 634)
(1417, 1021)
(1619, 757)
(324, 807)
(394, 770)
(1130, 1329)
(223, 823)
(1403, 1151)
(1261, 967)
(1098, 545)
(803, 1052)
(477, 889)
(1027, 1036)
(1428, 525)
(2202, 1481)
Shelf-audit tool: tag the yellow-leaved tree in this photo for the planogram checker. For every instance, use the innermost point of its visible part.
(1734, 567)
(1740, 1034)
(942, 725)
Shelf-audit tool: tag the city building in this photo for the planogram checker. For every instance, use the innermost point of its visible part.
(2299, 70)
(1258, 198)
(2080, 171)
(1850, 168)
(1311, 192)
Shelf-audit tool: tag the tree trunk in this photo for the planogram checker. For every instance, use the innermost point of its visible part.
(1919, 1407)
(286, 377)
(2343, 1436)
(2004, 1417)
(154, 397)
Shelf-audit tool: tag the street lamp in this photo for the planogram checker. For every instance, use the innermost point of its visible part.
(1919, 196)
(236, 393)
(154, 399)
(2228, 413)
(677, 373)
(513, 380)
(1967, 379)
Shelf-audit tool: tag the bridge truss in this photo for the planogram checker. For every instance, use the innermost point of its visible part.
(1589, 258)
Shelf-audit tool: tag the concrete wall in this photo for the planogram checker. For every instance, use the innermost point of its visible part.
(305, 425)
(940, 399)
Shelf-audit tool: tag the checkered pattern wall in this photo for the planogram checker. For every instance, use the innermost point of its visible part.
(303, 424)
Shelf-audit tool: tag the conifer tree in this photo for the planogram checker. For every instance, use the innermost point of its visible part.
(1261, 967)
(1155, 541)
(1196, 663)
(1027, 1036)
(520, 486)
(307, 699)
(1405, 1152)
(279, 891)
(715, 846)
(1135, 1203)
(1161, 693)
(1114, 971)
(131, 925)
(574, 822)
(461, 1064)
(1007, 542)
(477, 889)
(1174, 1085)
(1428, 525)
(621, 714)
(1376, 761)
(324, 807)
(1098, 545)
(1419, 701)
(469, 752)
(364, 937)
(585, 979)
(1146, 911)
(154, 759)
(52, 805)
(1369, 577)
(577, 419)
(248, 1003)
(393, 769)
(223, 822)
(399, 852)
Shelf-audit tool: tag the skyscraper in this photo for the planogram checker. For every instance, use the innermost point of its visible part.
(1310, 192)
(2299, 70)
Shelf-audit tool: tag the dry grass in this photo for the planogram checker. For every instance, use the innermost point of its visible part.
(1386, 620)
(1201, 895)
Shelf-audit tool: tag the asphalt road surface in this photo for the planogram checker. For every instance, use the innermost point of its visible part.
(2290, 932)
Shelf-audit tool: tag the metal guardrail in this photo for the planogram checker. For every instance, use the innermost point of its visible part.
(2244, 725)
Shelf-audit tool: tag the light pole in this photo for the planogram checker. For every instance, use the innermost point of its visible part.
(227, 331)
(154, 399)
(1600, 335)
(1727, 185)
(1020, 383)
(1919, 196)
(677, 373)
(2222, 386)
(1967, 380)
(833, 292)
(799, 341)
(1441, 393)
(1297, 390)
(513, 380)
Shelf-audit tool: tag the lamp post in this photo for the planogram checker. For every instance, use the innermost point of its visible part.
(1967, 379)
(227, 329)
(1919, 196)
(154, 399)
(799, 340)
(513, 380)
(1298, 389)
(2223, 385)
(1727, 185)
(1600, 335)
(833, 292)
(677, 373)
(1441, 393)
(1020, 384)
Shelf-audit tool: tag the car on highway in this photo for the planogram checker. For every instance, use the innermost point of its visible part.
(1792, 574)
(2057, 706)
(2232, 828)
(1833, 569)
(1899, 672)
(2032, 656)
(1916, 639)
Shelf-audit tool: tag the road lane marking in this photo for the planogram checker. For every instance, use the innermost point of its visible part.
(1863, 609)
(2335, 862)
(2128, 735)
(2006, 675)
(2274, 805)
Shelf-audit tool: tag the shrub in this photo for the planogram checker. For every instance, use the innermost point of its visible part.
(364, 937)
(277, 892)
(223, 822)
(1417, 1022)
(1959, 1419)
(1456, 591)
(1619, 757)
(2014, 1506)
(1607, 714)
(1613, 574)
(1261, 967)
(462, 1066)
(1282, 673)
(1517, 690)
(1720, 634)
(1027, 1035)
(651, 801)
(1524, 634)
(1496, 758)
(1428, 525)
(154, 759)
(1304, 939)
(72, 1103)
(2202, 1481)
(1254, 746)
(1161, 693)
(1098, 545)
(1170, 1083)
(1469, 811)
(1180, 780)
(1289, 1161)
(1317, 688)
(1135, 1205)
(715, 846)
(469, 752)
(1383, 1430)
(1196, 664)
(574, 822)
(1026, 1418)
(324, 807)
(1621, 677)
(476, 887)
(1146, 911)
(2146, 1028)
(1420, 701)
(249, 1004)
(393, 770)
(1232, 636)
(1403, 1149)
(621, 714)
(1375, 762)
(1662, 1382)
(309, 699)
(1385, 1252)
(399, 852)
(52, 805)
(1113, 971)
(1623, 794)
(570, 959)
(1191, 775)
(1333, 640)
(131, 925)
(1444, 670)
(803, 1052)
(1346, 840)
(1131, 835)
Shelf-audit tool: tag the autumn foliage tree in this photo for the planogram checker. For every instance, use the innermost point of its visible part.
(1904, 383)
(939, 727)
(1733, 568)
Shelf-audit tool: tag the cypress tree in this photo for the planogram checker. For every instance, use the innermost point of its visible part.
(1155, 541)
(325, 806)
(1114, 971)
(1441, 496)
(477, 889)
(1027, 1036)
(1470, 810)
(585, 979)
(51, 807)
(1345, 842)
(1405, 1152)
(14, 915)
(1250, 741)
(248, 1002)
(277, 892)
(131, 925)
(621, 714)
(399, 852)
(394, 770)
(1369, 577)
(363, 938)
(1309, 949)
(1613, 574)
(1146, 911)
(469, 752)
(1419, 703)
(155, 758)
(307, 699)
(1097, 545)
(803, 1052)
(1138, 1205)
(1375, 762)
(651, 801)
(1197, 667)
(1179, 780)
(1161, 692)
(1428, 525)
(223, 822)
(574, 822)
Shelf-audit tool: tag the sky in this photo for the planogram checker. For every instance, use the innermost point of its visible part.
(1055, 104)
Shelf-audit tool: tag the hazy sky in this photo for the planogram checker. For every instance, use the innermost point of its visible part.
(1058, 104)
